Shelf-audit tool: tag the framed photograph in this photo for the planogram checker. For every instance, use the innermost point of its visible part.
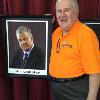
(28, 44)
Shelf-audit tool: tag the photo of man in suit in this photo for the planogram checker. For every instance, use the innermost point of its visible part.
(28, 56)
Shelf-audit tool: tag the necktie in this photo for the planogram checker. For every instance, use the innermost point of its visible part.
(25, 56)
(24, 61)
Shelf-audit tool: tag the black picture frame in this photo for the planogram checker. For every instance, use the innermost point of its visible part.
(95, 26)
(41, 27)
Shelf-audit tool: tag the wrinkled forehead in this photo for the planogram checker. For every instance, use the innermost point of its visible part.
(64, 4)
(23, 35)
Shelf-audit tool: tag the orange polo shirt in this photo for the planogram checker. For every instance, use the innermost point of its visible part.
(74, 54)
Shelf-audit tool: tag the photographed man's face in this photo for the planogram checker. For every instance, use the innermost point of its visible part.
(25, 41)
(66, 14)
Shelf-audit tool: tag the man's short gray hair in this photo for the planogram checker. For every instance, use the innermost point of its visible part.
(23, 29)
(75, 3)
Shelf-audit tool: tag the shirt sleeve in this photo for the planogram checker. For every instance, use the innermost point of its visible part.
(90, 53)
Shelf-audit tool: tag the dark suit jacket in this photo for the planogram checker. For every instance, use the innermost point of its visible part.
(36, 59)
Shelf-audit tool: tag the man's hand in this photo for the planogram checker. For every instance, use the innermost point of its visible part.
(94, 83)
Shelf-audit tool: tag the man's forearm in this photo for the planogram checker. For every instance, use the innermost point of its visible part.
(94, 83)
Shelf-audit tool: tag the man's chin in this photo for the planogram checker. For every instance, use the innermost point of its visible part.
(64, 25)
(25, 49)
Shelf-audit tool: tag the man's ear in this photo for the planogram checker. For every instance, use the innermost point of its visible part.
(77, 12)
(31, 37)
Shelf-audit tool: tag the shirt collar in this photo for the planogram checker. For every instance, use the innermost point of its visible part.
(73, 29)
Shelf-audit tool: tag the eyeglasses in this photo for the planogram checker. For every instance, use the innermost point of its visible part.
(58, 46)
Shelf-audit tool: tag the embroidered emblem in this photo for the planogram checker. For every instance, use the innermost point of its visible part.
(66, 44)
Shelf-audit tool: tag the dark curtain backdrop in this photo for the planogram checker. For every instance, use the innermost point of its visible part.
(14, 88)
